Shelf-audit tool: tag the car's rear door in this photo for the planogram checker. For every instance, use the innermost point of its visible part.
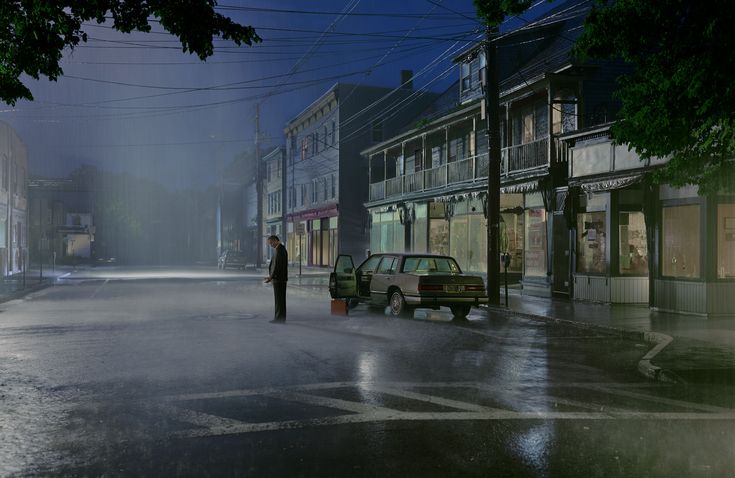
(364, 275)
(383, 278)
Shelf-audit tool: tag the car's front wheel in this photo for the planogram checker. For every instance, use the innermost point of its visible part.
(460, 312)
(398, 306)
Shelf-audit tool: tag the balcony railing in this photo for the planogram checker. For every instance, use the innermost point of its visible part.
(460, 171)
(413, 182)
(522, 157)
(435, 177)
(514, 159)
(377, 191)
(394, 186)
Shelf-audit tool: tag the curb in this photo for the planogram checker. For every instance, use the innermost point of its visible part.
(24, 292)
(645, 367)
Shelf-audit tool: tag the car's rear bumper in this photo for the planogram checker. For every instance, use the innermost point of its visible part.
(443, 300)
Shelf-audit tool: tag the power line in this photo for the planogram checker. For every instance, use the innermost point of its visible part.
(316, 12)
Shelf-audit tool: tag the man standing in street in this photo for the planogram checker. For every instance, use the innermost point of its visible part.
(278, 276)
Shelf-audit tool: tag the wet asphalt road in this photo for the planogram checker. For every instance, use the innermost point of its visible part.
(165, 377)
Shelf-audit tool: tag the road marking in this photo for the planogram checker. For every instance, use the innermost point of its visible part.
(98, 289)
(329, 402)
(662, 400)
(470, 407)
(244, 427)
(212, 426)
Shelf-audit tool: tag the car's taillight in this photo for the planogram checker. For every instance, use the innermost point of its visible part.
(474, 288)
(430, 287)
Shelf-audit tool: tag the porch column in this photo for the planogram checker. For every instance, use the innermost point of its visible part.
(550, 123)
(446, 144)
(423, 150)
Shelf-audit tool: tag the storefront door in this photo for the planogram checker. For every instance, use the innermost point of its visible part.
(561, 266)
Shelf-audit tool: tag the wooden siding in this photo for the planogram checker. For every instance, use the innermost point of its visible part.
(592, 288)
(629, 290)
(681, 296)
(721, 299)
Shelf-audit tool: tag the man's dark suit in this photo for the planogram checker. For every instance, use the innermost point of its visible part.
(279, 277)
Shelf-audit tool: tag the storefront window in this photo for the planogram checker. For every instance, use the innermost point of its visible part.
(511, 240)
(439, 236)
(681, 239)
(726, 241)
(458, 241)
(633, 249)
(535, 243)
(477, 242)
(419, 236)
(438, 229)
(591, 243)
(375, 233)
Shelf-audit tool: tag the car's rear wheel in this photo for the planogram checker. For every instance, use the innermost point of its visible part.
(460, 312)
(398, 306)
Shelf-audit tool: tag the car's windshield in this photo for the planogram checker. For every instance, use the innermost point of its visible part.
(431, 265)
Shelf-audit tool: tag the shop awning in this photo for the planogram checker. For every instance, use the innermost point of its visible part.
(524, 187)
(607, 184)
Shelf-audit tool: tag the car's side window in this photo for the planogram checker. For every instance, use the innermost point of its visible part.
(387, 265)
(370, 264)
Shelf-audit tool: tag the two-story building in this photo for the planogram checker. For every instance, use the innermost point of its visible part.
(428, 185)
(13, 201)
(326, 188)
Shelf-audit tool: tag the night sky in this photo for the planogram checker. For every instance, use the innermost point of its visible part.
(136, 103)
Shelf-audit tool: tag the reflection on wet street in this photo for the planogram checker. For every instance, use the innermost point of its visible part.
(188, 377)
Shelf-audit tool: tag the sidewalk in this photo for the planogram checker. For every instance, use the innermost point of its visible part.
(686, 349)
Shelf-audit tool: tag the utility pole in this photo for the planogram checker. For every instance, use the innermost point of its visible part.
(492, 111)
(258, 189)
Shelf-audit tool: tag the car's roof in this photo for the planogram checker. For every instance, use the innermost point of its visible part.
(411, 254)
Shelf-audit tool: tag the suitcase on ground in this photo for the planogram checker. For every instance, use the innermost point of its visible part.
(339, 307)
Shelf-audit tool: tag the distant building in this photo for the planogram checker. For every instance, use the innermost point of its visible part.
(237, 207)
(13, 202)
(62, 228)
(326, 183)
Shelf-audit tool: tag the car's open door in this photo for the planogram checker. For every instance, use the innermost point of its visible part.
(342, 282)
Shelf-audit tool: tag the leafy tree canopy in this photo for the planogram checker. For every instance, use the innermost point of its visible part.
(679, 99)
(34, 33)
(495, 11)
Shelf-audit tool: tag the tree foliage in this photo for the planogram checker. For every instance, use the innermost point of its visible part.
(493, 12)
(679, 99)
(35, 33)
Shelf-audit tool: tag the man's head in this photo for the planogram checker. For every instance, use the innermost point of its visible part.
(273, 241)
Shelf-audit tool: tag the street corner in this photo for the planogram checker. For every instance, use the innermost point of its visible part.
(693, 362)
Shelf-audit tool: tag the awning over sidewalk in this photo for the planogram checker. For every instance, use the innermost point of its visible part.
(606, 184)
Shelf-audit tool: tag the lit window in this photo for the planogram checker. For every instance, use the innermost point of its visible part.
(591, 243)
(681, 241)
(726, 241)
(633, 250)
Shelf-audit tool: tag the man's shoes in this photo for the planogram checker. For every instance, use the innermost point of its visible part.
(278, 321)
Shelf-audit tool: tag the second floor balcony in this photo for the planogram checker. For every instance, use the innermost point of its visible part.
(514, 161)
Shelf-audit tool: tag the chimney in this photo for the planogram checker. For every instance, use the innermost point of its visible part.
(407, 79)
